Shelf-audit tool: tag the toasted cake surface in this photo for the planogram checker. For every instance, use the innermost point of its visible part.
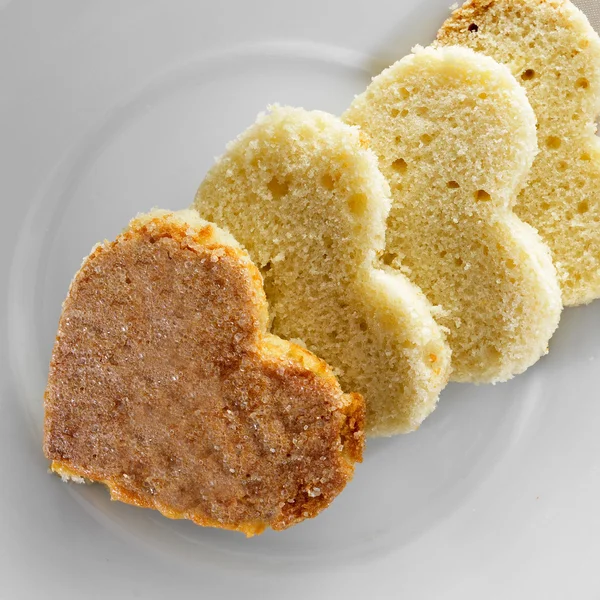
(165, 386)
(303, 194)
(555, 54)
(455, 137)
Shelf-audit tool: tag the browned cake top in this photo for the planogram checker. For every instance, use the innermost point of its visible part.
(164, 386)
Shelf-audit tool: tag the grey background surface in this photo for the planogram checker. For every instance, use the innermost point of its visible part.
(592, 9)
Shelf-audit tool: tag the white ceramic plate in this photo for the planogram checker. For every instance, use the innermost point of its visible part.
(109, 108)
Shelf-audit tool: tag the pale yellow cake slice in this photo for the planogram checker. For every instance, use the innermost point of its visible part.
(302, 192)
(555, 54)
(455, 137)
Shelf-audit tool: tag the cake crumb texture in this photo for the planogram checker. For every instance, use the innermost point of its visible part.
(455, 137)
(554, 53)
(301, 191)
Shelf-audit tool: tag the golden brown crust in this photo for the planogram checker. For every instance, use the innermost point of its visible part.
(165, 386)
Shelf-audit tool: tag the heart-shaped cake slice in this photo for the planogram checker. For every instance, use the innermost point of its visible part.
(165, 386)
